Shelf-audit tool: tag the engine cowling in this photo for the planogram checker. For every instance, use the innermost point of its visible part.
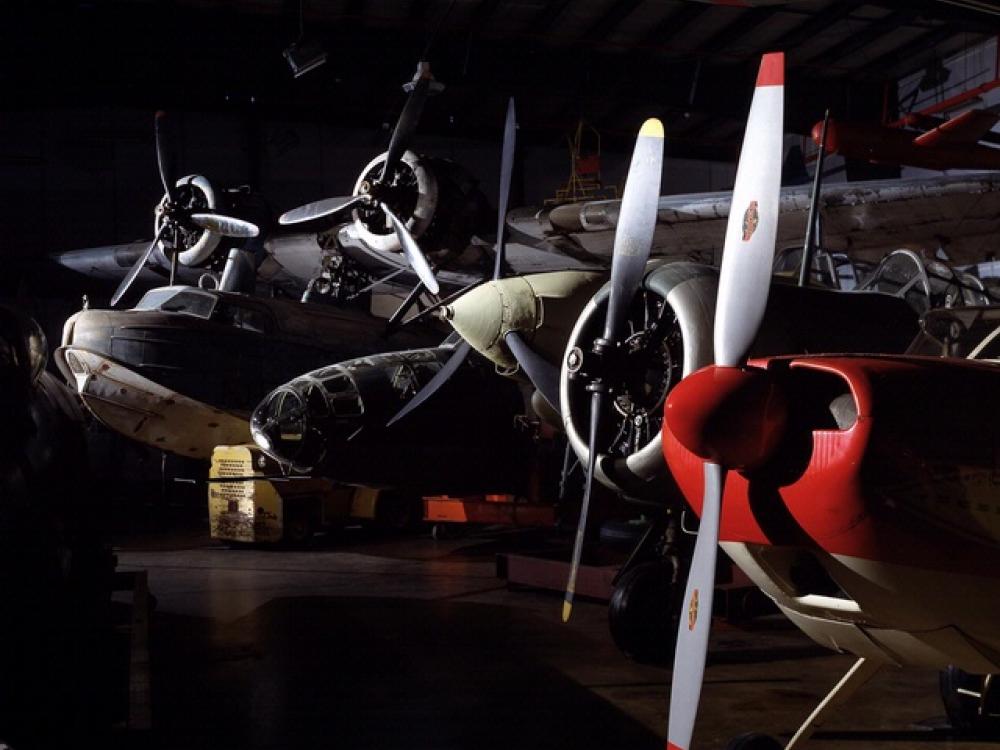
(440, 203)
(680, 299)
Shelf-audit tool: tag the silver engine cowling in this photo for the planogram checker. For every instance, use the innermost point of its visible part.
(671, 336)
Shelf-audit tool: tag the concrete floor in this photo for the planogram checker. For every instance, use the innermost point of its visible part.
(362, 642)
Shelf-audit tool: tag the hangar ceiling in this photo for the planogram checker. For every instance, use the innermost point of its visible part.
(613, 62)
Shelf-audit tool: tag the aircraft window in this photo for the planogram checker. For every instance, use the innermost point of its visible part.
(338, 384)
(186, 301)
(247, 318)
(252, 319)
(315, 401)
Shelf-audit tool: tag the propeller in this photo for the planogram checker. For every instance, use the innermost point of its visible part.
(227, 226)
(408, 119)
(165, 151)
(176, 216)
(462, 351)
(698, 411)
(134, 270)
(414, 255)
(374, 195)
(633, 240)
(320, 209)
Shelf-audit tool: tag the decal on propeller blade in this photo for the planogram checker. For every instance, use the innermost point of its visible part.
(750, 220)
(693, 610)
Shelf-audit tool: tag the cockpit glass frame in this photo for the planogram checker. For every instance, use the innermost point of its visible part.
(181, 301)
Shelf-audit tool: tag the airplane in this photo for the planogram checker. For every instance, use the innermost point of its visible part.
(953, 143)
(430, 197)
(331, 423)
(183, 369)
(856, 490)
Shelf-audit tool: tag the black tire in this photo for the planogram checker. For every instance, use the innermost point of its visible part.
(968, 713)
(641, 613)
(754, 741)
(298, 529)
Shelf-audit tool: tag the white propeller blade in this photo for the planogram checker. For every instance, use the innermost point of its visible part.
(412, 251)
(745, 279)
(225, 225)
(319, 209)
(748, 253)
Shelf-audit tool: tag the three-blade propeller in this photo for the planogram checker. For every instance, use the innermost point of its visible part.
(744, 282)
(375, 197)
(462, 351)
(176, 216)
(633, 241)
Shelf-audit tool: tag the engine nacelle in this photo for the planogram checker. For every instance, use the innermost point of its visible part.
(440, 203)
(680, 299)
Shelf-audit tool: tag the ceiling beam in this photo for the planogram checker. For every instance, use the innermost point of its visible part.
(746, 21)
(918, 52)
(543, 21)
(611, 19)
(674, 25)
(814, 24)
(875, 29)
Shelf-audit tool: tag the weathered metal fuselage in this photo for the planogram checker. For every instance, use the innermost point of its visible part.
(184, 383)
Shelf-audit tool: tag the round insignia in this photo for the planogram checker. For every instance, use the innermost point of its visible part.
(693, 610)
(750, 220)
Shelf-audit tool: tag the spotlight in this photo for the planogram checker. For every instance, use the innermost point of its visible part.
(303, 56)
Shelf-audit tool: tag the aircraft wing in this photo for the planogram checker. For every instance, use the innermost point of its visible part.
(958, 212)
(964, 129)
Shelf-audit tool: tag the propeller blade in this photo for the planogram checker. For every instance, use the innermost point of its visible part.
(413, 252)
(748, 252)
(225, 225)
(693, 631)
(165, 153)
(506, 170)
(439, 379)
(596, 406)
(633, 239)
(636, 224)
(135, 269)
(319, 209)
(542, 374)
(408, 119)
(744, 282)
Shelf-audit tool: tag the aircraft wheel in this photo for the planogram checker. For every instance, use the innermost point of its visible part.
(754, 741)
(641, 613)
(972, 701)
(298, 529)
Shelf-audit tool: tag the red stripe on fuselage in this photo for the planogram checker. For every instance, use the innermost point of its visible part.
(857, 497)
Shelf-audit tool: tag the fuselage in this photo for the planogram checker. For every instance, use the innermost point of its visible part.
(186, 353)
(875, 525)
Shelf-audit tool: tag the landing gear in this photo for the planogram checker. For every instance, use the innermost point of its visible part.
(754, 741)
(642, 615)
(972, 701)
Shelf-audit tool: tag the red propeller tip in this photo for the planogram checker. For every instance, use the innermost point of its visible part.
(772, 70)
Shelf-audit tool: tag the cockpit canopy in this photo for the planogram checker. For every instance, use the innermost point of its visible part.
(967, 332)
(208, 305)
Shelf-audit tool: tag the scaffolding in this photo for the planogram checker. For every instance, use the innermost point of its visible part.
(585, 169)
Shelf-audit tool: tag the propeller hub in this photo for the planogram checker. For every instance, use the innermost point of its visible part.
(731, 416)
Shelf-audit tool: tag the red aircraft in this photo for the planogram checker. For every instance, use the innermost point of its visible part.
(921, 139)
(858, 492)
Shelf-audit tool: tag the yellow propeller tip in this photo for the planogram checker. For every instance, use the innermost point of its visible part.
(652, 128)
(567, 609)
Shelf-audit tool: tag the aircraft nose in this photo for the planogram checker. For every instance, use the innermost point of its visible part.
(280, 426)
